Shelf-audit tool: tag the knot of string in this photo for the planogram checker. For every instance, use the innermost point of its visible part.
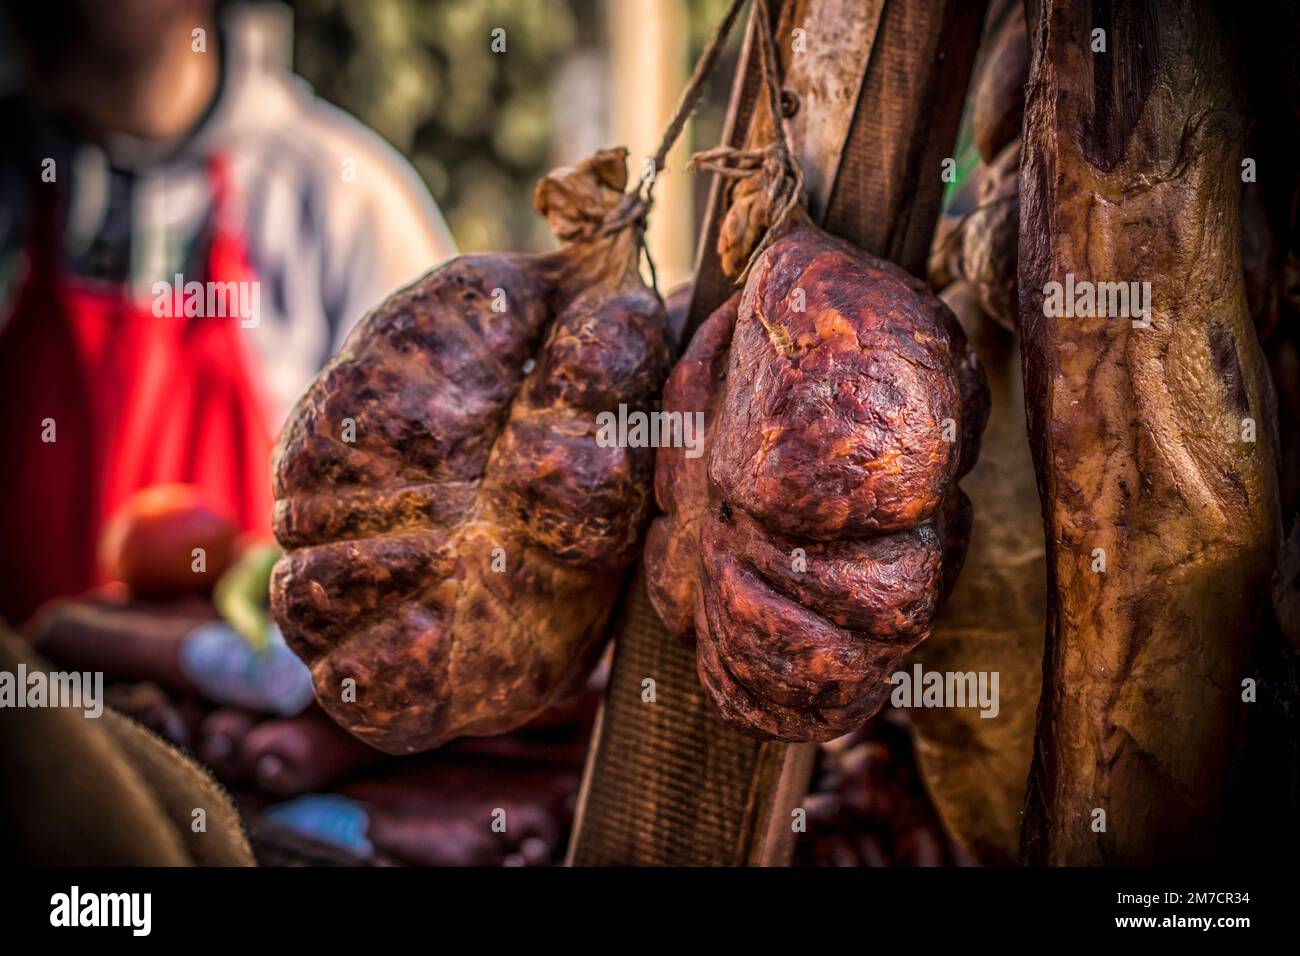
(782, 175)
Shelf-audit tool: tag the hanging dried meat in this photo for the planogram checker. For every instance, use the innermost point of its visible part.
(808, 546)
(456, 530)
(975, 760)
(1152, 433)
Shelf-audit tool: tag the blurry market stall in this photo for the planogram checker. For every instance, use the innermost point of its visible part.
(184, 642)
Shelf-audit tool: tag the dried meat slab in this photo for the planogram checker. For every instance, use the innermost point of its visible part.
(1153, 439)
(456, 529)
(808, 548)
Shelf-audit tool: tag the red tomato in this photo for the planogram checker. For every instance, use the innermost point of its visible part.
(152, 542)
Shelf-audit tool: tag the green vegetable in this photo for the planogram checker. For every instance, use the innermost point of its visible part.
(243, 595)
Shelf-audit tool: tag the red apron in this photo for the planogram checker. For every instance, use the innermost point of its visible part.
(131, 399)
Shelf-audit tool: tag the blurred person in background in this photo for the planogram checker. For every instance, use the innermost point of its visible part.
(155, 144)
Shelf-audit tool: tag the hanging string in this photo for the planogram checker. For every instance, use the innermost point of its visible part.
(695, 88)
(634, 206)
(782, 174)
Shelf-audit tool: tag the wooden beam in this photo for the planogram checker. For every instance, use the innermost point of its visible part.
(667, 783)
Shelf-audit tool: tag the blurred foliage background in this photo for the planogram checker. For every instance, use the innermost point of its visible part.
(481, 127)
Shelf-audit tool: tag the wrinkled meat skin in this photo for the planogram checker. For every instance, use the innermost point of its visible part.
(806, 549)
(832, 422)
(461, 449)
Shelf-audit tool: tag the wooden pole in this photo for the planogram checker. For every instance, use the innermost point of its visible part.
(879, 86)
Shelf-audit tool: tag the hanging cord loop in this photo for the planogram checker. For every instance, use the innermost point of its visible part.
(775, 172)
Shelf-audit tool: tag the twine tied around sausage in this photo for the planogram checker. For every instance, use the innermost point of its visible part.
(776, 178)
